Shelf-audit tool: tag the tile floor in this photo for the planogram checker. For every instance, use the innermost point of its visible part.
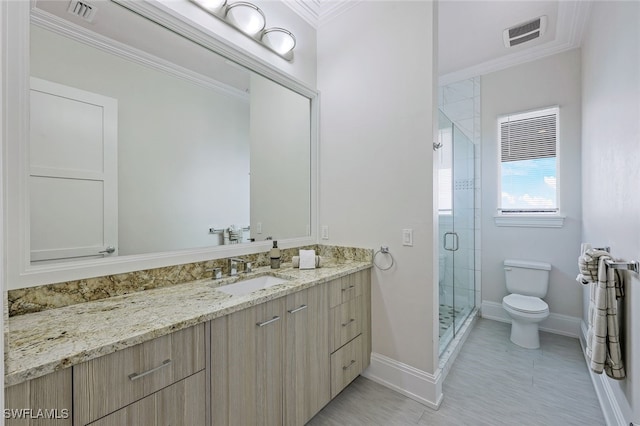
(446, 315)
(492, 382)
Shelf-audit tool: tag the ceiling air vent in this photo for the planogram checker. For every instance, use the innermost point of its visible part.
(525, 32)
(82, 9)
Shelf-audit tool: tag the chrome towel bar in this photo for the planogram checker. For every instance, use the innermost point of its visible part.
(629, 266)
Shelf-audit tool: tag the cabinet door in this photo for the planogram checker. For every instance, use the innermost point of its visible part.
(49, 396)
(307, 374)
(182, 403)
(255, 360)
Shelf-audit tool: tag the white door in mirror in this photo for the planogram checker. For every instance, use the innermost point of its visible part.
(73, 173)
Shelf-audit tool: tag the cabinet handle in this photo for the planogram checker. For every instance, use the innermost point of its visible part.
(302, 307)
(136, 376)
(262, 324)
(351, 287)
(348, 322)
(353, 361)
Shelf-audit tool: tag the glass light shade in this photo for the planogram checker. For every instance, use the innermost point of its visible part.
(247, 17)
(211, 5)
(279, 39)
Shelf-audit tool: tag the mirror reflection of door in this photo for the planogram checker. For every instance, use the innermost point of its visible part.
(73, 173)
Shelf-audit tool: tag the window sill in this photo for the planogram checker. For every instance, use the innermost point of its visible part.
(530, 221)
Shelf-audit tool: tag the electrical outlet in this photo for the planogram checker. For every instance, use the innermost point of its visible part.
(259, 228)
(325, 232)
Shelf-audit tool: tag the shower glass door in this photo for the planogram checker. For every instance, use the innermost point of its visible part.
(456, 229)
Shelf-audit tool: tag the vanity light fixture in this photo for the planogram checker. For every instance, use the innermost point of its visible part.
(246, 17)
(250, 20)
(279, 40)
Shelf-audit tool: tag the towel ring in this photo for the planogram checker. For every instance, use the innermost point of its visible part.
(383, 250)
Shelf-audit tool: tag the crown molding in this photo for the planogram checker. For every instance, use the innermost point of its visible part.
(332, 9)
(318, 12)
(309, 10)
(573, 17)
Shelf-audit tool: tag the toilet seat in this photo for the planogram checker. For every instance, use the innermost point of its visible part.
(526, 304)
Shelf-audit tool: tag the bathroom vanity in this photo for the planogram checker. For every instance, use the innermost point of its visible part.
(194, 355)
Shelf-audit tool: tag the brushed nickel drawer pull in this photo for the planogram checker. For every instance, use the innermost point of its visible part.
(353, 361)
(136, 376)
(351, 287)
(348, 322)
(262, 324)
(293, 311)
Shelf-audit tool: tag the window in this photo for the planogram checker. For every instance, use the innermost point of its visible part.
(528, 166)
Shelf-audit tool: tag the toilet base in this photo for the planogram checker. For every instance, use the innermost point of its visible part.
(525, 334)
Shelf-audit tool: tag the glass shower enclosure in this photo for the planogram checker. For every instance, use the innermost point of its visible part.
(455, 159)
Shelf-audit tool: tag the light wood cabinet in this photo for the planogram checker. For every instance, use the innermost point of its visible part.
(306, 373)
(276, 363)
(48, 397)
(350, 328)
(109, 383)
(183, 403)
(288, 369)
(346, 365)
(346, 322)
(254, 365)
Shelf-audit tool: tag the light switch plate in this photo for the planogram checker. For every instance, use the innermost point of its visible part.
(259, 228)
(407, 237)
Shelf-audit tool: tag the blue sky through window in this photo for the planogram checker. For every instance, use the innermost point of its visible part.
(529, 184)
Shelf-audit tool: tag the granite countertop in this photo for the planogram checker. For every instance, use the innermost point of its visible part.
(43, 342)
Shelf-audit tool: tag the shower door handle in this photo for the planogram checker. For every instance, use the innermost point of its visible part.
(456, 241)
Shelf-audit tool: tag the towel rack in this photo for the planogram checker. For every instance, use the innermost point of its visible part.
(629, 266)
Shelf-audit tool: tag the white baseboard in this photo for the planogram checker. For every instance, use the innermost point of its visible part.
(416, 384)
(611, 408)
(556, 323)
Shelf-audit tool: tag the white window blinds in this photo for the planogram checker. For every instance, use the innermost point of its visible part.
(528, 150)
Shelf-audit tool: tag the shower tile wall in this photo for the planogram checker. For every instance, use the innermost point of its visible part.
(460, 101)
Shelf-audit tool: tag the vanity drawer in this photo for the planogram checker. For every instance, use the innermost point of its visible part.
(183, 403)
(345, 288)
(346, 365)
(345, 322)
(108, 383)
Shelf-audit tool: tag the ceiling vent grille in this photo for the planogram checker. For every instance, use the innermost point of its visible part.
(524, 32)
(82, 9)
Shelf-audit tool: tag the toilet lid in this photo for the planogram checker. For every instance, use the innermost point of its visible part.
(527, 304)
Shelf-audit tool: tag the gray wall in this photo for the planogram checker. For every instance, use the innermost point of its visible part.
(611, 165)
(376, 161)
(553, 80)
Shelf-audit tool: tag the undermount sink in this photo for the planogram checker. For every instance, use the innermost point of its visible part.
(241, 288)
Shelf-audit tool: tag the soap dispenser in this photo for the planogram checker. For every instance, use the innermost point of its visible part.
(274, 254)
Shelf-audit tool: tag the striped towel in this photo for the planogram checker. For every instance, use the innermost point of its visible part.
(588, 265)
(603, 343)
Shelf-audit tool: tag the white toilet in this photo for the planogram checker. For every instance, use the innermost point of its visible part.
(527, 282)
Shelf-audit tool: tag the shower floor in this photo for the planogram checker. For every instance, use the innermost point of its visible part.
(446, 315)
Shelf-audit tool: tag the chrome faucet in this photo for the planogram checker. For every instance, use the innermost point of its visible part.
(216, 273)
(233, 266)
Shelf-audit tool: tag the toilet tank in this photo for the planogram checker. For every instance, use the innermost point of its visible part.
(527, 277)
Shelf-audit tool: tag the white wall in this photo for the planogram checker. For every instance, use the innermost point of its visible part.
(183, 150)
(611, 167)
(554, 80)
(376, 78)
(280, 165)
